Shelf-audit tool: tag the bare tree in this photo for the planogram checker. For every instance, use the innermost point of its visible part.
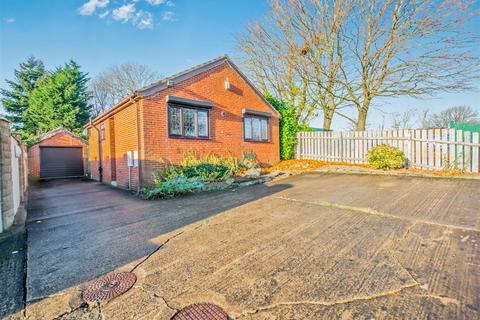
(270, 57)
(117, 82)
(423, 118)
(459, 114)
(407, 47)
(337, 55)
(404, 120)
(295, 55)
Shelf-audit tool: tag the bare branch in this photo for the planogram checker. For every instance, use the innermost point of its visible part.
(117, 82)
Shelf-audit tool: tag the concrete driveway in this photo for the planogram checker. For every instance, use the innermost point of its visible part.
(315, 246)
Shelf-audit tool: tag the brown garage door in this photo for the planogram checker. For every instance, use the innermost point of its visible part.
(61, 162)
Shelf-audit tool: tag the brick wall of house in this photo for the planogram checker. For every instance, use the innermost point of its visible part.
(126, 139)
(121, 137)
(62, 139)
(226, 121)
(106, 152)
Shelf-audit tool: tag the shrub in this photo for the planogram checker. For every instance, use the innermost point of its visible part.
(176, 186)
(206, 172)
(249, 160)
(191, 159)
(289, 126)
(385, 157)
(167, 173)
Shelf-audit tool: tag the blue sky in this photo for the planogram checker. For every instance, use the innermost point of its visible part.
(168, 36)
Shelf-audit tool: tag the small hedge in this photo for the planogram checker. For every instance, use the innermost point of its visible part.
(171, 188)
(385, 157)
(207, 172)
(249, 160)
(170, 172)
(193, 173)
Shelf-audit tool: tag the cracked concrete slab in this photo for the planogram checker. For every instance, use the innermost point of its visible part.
(451, 202)
(325, 247)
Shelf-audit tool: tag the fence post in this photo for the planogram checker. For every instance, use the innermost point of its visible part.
(409, 149)
(342, 157)
(475, 152)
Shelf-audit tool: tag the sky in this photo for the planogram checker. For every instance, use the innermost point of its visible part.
(166, 35)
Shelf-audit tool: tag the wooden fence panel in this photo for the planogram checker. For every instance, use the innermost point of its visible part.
(467, 158)
(475, 152)
(438, 137)
(423, 148)
(459, 151)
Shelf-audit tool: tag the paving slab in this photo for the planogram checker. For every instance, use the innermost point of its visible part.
(451, 202)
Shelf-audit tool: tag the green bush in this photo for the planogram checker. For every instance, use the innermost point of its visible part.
(385, 157)
(289, 127)
(206, 172)
(171, 188)
(249, 160)
(191, 159)
(168, 173)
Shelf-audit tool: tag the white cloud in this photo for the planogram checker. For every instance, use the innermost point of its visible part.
(169, 16)
(9, 20)
(124, 13)
(89, 7)
(170, 4)
(103, 14)
(156, 2)
(143, 20)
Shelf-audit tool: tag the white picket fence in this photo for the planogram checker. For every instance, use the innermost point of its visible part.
(423, 148)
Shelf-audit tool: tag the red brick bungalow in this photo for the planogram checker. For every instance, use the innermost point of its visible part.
(210, 108)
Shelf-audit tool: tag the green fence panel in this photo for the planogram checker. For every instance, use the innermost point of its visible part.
(472, 127)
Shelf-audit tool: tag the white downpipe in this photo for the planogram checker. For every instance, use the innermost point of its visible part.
(129, 178)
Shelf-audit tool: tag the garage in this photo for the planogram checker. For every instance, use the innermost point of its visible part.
(61, 162)
(57, 154)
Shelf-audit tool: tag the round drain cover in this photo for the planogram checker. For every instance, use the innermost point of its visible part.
(201, 311)
(109, 287)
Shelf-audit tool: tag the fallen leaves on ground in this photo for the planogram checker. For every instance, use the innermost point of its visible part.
(443, 173)
(300, 165)
(305, 165)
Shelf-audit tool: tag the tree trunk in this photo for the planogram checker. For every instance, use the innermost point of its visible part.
(327, 121)
(362, 120)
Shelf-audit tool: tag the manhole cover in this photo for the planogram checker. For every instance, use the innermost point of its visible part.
(201, 311)
(109, 287)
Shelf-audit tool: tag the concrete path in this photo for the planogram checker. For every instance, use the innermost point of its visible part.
(316, 246)
(12, 270)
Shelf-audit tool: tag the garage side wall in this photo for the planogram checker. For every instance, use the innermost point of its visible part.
(61, 139)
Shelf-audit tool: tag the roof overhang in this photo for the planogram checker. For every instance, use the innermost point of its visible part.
(117, 107)
(177, 78)
(189, 102)
(256, 113)
(54, 132)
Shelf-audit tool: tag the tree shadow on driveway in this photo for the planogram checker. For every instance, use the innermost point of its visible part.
(79, 230)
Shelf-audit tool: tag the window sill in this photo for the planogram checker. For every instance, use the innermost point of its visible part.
(256, 141)
(188, 138)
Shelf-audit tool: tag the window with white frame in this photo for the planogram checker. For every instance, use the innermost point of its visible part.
(188, 122)
(255, 128)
